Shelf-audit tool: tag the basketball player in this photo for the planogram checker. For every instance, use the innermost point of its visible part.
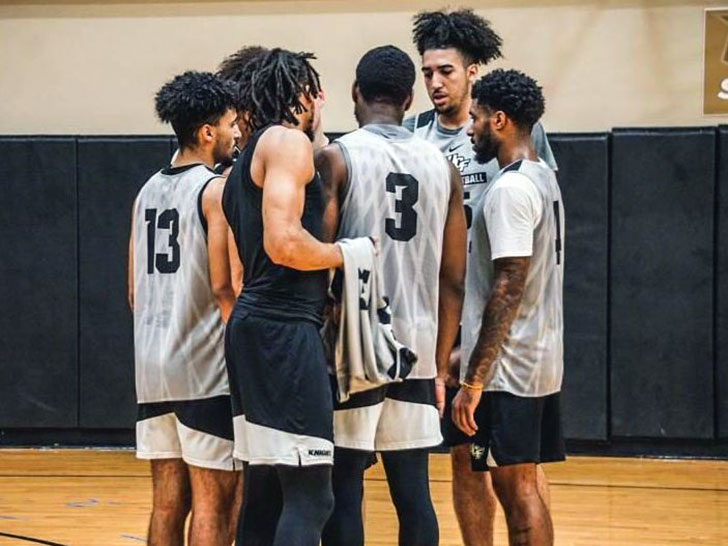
(512, 344)
(181, 294)
(452, 47)
(281, 395)
(383, 180)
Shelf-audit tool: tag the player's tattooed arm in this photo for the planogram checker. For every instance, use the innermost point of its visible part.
(331, 166)
(500, 312)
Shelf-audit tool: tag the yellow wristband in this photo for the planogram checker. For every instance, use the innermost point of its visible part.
(471, 387)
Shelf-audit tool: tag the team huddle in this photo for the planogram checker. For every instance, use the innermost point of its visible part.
(301, 306)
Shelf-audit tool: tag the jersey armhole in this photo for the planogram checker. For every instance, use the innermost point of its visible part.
(200, 214)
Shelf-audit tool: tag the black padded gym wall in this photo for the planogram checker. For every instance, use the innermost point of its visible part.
(721, 306)
(583, 175)
(111, 171)
(38, 288)
(661, 275)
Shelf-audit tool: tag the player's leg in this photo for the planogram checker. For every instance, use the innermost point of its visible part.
(307, 503)
(205, 431)
(409, 485)
(346, 524)
(158, 441)
(472, 492)
(170, 502)
(261, 509)
(528, 518)
(213, 500)
(473, 498)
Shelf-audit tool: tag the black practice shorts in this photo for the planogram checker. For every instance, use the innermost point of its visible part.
(282, 407)
(514, 430)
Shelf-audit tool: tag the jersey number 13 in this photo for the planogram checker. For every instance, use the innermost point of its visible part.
(168, 220)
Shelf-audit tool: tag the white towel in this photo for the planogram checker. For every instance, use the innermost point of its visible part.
(367, 354)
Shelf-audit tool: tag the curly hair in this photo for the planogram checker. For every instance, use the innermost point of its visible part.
(385, 74)
(512, 92)
(191, 100)
(235, 67)
(277, 80)
(463, 30)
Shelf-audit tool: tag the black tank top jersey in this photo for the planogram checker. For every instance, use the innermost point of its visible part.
(271, 290)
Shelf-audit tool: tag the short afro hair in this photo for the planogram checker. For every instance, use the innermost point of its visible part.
(385, 74)
(271, 93)
(512, 92)
(463, 30)
(235, 66)
(191, 100)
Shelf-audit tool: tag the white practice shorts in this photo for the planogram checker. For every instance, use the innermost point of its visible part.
(395, 417)
(200, 432)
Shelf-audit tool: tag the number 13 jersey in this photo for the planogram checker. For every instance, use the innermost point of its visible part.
(398, 190)
(178, 329)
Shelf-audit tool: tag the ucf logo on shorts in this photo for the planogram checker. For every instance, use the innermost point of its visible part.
(477, 452)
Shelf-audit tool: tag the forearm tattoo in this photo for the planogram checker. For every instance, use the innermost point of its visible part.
(500, 311)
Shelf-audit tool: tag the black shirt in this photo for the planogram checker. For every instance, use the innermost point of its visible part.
(271, 290)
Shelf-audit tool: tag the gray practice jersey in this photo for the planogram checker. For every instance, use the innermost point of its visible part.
(399, 190)
(456, 145)
(178, 330)
(520, 213)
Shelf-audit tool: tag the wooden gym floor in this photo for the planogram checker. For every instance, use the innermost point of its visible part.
(92, 497)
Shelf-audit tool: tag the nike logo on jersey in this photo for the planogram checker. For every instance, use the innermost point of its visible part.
(453, 148)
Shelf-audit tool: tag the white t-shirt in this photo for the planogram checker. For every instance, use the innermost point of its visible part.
(520, 214)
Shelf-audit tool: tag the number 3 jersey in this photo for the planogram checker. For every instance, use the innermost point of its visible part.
(520, 213)
(399, 191)
(178, 329)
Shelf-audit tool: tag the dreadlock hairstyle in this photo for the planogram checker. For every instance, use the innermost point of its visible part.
(272, 92)
(463, 30)
(235, 67)
(191, 100)
(385, 74)
(512, 92)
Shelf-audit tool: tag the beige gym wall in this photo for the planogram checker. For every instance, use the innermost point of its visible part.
(90, 67)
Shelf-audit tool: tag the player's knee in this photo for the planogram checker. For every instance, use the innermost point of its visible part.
(171, 509)
(512, 490)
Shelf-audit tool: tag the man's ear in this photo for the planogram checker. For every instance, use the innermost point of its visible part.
(472, 72)
(205, 134)
(408, 102)
(500, 120)
(355, 92)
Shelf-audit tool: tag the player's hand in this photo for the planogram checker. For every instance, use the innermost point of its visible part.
(453, 371)
(463, 409)
(440, 395)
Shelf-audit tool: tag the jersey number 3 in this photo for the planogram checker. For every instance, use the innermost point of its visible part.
(168, 220)
(404, 205)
